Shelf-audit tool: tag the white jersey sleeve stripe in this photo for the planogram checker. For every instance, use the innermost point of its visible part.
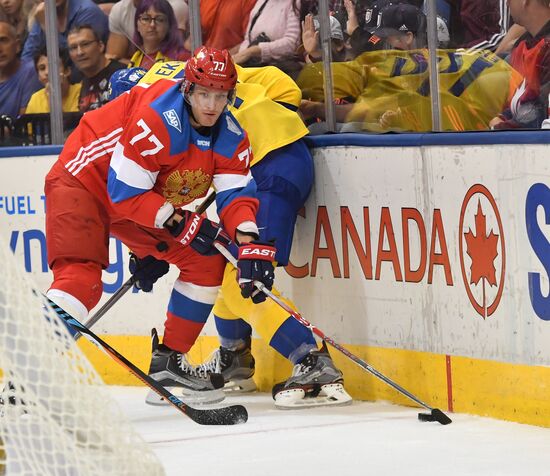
(92, 147)
(202, 294)
(129, 172)
(89, 159)
(504, 24)
(223, 182)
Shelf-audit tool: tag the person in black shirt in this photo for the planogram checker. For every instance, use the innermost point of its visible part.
(87, 52)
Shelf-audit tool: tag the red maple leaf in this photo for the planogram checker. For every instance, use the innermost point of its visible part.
(482, 249)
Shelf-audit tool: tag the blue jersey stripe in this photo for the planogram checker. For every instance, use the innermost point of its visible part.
(118, 190)
(186, 308)
(227, 196)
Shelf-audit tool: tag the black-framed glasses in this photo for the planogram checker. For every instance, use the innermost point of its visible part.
(158, 20)
(82, 45)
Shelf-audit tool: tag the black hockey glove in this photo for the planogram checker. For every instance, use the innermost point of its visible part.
(147, 271)
(255, 263)
(198, 232)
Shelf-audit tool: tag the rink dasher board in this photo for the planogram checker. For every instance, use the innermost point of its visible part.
(378, 283)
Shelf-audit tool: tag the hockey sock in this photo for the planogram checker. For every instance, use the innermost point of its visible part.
(293, 340)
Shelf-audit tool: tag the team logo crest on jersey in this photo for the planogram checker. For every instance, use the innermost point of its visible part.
(182, 187)
(232, 126)
(172, 119)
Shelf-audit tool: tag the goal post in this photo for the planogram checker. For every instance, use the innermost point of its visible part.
(57, 416)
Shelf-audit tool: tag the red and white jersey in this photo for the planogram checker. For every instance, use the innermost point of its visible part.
(528, 104)
(140, 156)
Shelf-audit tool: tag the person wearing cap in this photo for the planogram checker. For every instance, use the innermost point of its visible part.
(402, 26)
(312, 44)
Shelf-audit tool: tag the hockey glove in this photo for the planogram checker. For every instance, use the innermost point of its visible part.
(146, 271)
(198, 232)
(255, 263)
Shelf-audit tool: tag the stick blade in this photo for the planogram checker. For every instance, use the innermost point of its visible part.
(435, 415)
(232, 415)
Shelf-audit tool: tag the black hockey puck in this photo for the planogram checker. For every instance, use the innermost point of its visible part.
(435, 415)
(425, 417)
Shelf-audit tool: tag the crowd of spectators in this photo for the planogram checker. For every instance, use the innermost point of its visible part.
(493, 55)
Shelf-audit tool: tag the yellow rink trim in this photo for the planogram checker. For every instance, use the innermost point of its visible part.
(506, 391)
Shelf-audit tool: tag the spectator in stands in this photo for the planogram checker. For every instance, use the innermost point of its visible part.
(18, 79)
(335, 7)
(122, 27)
(478, 24)
(362, 20)
(505, 46)
(403, 27)
(528, 104)
(156, 35)
(70, 14)
(272, 36)
(364, 16)
(312, 44)
(86, 50)
(14, 14)
(40, 100)
(224, 24)
(105, 5)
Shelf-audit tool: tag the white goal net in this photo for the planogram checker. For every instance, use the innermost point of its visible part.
(56, 416)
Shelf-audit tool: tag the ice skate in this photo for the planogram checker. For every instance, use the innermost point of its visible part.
(236, 366)
(171, 369)
(315, 381)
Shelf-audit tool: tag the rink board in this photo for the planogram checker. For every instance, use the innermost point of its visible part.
(429, 261)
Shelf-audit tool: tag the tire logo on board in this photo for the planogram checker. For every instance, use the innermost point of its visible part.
(482, 251)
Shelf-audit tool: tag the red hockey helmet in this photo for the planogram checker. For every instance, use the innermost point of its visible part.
(211, 68)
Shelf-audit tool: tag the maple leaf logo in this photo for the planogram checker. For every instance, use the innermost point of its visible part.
(482, 249)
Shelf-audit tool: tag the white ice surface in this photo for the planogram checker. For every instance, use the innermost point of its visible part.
(362, 439)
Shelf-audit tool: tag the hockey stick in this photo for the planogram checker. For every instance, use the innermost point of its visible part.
(201, 208)
(108, 305)
(231, 415)
(434, 415)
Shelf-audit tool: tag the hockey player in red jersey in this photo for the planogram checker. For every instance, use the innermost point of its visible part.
(126, 171)
(282, 166)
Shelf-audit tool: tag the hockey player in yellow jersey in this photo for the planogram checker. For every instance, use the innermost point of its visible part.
(265, 105)
(390, 89)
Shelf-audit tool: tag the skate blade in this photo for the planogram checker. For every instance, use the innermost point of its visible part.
(240, 386)
(296, 398)
(208, 397)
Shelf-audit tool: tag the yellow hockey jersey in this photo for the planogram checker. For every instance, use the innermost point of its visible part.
(473, 88)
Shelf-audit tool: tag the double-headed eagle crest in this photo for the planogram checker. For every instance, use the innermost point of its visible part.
(182, 187)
